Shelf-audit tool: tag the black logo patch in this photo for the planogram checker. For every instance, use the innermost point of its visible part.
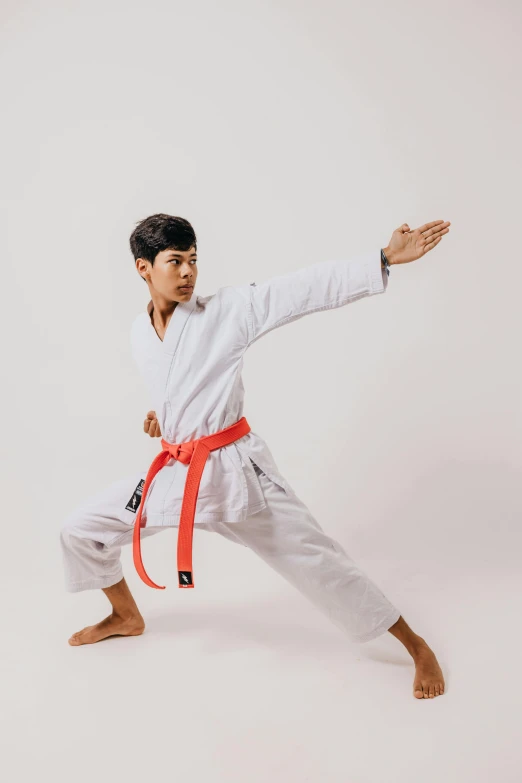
(185, 577)
(135, 500)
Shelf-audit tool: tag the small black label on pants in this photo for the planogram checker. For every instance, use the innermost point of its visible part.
(135, 500)
(185, 577)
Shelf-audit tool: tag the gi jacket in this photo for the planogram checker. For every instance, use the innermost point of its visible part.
(194, 378)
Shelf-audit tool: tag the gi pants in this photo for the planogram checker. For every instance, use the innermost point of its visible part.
(284, 534)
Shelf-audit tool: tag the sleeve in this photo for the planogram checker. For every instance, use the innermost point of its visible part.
(321, 286)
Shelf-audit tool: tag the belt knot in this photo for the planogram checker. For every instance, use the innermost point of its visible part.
(180, 451)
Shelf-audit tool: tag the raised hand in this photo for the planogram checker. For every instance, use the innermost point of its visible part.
(151, 425)
(406, 245)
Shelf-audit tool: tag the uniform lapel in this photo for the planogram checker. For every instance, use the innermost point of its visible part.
(175, 327)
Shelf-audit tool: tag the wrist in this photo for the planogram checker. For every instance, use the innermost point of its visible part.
(390, 255)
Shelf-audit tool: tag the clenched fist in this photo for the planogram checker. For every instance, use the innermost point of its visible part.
(151, 425)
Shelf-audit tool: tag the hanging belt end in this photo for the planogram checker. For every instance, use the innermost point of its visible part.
(185, 579)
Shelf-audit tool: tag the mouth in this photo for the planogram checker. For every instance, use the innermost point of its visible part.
(186, 287)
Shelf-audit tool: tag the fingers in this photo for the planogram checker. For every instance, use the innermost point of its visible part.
(153, 429)
(426, 226)
(433, 238)
(431, 245)
(151, 415)
(442, 228)
(435, 225)
(433, 234)
(151, 425)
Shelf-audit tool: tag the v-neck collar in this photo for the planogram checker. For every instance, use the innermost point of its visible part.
(175, 326)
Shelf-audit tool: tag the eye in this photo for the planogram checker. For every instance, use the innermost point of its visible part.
(176, 260)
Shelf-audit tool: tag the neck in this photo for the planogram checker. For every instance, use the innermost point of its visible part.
(160, 309)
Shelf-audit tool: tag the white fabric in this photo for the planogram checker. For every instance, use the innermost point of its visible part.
(284, 534)
(194, 378)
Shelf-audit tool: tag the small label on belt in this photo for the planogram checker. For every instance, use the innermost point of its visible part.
(185, 577)
(135, 500)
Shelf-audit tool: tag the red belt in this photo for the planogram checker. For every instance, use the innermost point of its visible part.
(193, 453)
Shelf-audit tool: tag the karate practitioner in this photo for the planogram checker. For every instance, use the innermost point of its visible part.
(190, 351)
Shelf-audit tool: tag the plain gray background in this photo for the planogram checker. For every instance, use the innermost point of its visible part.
(287, 133)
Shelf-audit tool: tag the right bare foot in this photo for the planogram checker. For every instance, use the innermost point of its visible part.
(111, 626)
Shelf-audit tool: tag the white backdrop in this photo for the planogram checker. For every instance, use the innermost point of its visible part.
(287, 133)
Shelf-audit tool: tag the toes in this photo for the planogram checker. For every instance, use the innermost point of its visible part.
(436, 690)
(76, 637)
(418, 692)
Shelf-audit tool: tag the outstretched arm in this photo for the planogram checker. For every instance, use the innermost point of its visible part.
(330, 284)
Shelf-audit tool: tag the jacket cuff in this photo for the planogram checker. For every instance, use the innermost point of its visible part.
(377, 273)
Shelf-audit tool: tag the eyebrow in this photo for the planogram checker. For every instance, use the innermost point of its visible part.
(179, 254)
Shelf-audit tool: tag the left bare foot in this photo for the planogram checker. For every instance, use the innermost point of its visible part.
(429, 681)
(111, 626)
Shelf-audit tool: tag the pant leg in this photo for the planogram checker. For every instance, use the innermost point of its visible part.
(288, 537)
(91, 536)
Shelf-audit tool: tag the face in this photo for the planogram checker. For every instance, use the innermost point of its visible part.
(172, 269)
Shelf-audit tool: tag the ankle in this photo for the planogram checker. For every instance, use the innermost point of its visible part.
(419, 646)
(126, 616)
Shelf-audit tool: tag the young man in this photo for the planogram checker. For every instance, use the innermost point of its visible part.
(213, 471)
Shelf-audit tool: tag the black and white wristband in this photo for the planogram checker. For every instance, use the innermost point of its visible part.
(385, 262)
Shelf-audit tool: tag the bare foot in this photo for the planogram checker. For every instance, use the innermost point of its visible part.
(111, 626)
(429, 681)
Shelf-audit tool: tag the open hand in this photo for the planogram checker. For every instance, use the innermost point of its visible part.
(406, 245)
(151, 425)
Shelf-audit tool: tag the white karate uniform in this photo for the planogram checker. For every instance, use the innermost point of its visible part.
(242, 494)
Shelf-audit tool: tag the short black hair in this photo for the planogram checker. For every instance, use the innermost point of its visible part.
(161, 232)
